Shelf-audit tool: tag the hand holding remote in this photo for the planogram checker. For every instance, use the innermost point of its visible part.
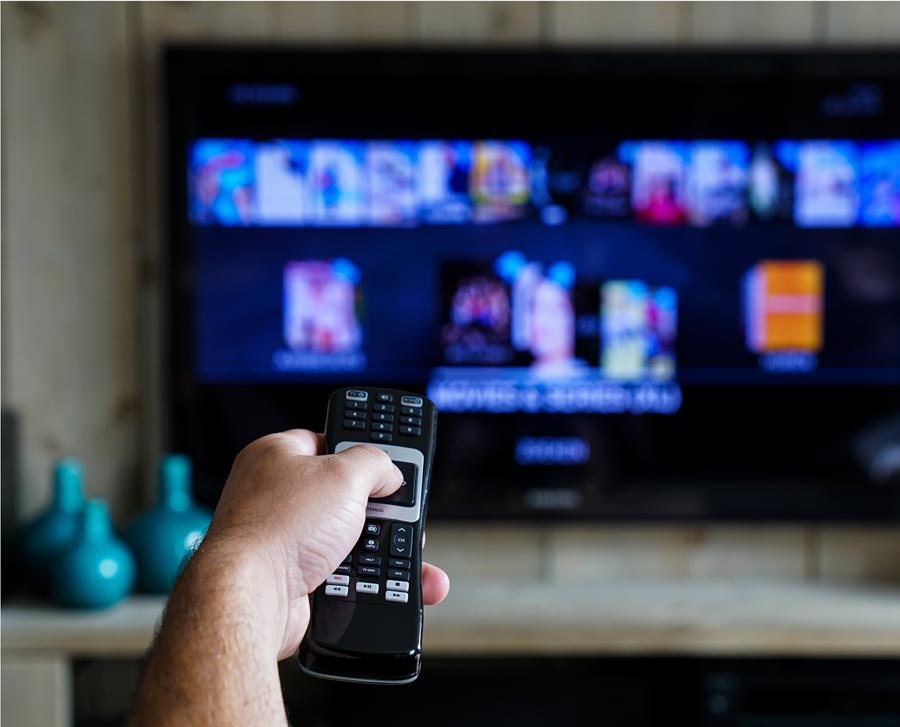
(301, 512)
(287, 517)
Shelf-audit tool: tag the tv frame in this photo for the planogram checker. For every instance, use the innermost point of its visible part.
(185, 64)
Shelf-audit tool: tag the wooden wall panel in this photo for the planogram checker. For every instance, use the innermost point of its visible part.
(82, 114)
(162, 22)
(862, 22)
(341, 22)
(618, 23)
(68, 270)
(156, 25)
(476, 22)
(752, 23)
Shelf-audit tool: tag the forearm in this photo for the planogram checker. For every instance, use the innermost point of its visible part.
(215, 658)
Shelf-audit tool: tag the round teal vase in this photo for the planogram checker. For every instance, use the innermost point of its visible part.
(54, 530)
(98, 569)
(166, 535)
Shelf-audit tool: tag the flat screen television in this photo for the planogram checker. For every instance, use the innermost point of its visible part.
(638, 285)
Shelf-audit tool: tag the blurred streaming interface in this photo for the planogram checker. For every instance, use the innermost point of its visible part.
(382, 183)
(322, 330)
(512, 276)
(785, 304)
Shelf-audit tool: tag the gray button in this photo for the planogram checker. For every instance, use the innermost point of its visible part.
(398, 586)
(366, 587)
(411, 400)
(357, 395)
(396, 596)
(336, 591)
(338, 580)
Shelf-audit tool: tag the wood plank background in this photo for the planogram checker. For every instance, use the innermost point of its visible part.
(82, 249)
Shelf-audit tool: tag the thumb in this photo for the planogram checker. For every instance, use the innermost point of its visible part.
(373, 470)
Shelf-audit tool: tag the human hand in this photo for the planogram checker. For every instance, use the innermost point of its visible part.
(292, 514)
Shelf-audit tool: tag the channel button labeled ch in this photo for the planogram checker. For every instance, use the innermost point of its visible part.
(401, 540)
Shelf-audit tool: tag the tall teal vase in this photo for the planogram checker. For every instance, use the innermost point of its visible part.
(97, 570)
(166, 534)
(53, 530)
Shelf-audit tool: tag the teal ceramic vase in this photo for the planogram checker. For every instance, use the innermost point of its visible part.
(163, 537)
(97, 570)
(53, 530)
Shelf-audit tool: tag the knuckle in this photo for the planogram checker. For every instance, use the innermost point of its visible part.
(257, 448)
(339, 468)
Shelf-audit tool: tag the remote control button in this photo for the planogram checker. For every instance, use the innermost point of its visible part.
(401, 540)
(372, 528)
(410, 411)
(369, 560)
(382, 427)
(406, 494)
(384, 397)
(398, 575)
(335, 590)
(411, 431)
(411, 400)
(387, 408)
(349, 558)
(395, 596)
(412, 421)
(356, 405)
(370, 544)
(357, 395)
(354, 424)
(394, 563)
(343, 570)
(381, 437)
(382, 417)
(365, 587)
(337, 580)
(355, 413)
(367, 570)
(398, 586)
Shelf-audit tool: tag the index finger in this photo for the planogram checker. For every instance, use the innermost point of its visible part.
(374, 469)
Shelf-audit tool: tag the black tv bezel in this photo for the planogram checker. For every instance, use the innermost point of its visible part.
(187, 64)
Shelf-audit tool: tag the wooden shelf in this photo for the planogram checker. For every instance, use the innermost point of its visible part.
(612, 618)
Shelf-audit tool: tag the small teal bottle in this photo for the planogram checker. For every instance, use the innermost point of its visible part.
(166, 535)
(97, 571)
(53, 530)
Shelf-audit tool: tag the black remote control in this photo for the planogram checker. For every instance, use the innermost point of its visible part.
(366, 620)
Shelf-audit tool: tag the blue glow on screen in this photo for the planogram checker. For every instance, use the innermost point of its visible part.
(433, 261)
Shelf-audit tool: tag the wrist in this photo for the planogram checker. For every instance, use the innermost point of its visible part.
(228, 579)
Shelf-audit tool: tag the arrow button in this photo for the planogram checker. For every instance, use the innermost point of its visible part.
(401, 541)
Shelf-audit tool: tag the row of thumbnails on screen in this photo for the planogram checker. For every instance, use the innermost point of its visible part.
(535, 321)
(349, 183)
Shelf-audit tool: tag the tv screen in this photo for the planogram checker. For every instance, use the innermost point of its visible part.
(636, 286)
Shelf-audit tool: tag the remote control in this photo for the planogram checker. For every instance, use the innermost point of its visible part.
(366, 620)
